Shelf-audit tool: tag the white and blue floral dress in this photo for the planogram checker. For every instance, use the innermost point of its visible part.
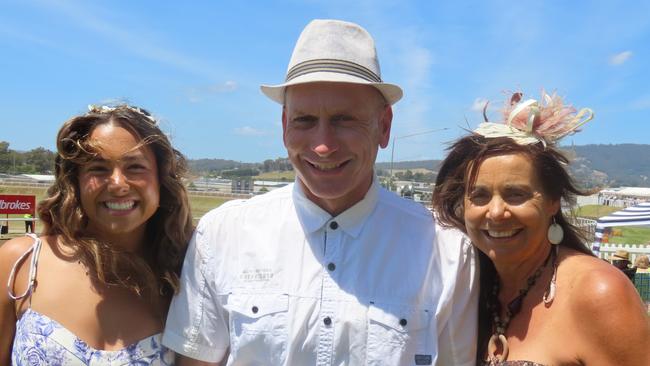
(41, 341)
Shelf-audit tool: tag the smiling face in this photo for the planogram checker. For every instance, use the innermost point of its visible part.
(119, 189)
(332, 132)
(506, 212)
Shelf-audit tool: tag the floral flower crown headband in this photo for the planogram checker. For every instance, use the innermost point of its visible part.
(532, 121)
(92, 108)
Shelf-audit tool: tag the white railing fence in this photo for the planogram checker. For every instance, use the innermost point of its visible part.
(607, 250)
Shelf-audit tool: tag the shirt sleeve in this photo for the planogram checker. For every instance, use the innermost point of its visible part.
(197, 324)
(458, 306)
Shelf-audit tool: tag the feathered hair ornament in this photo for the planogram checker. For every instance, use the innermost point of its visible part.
(531, 121)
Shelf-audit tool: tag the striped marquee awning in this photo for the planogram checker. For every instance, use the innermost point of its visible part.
(637, 215)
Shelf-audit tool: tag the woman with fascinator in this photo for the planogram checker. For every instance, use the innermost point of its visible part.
(95, 286)
(545, 299)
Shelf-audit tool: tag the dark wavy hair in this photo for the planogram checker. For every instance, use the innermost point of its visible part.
(458, 174)
(154, 274)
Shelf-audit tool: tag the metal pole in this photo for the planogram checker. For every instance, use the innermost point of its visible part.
(392, 155)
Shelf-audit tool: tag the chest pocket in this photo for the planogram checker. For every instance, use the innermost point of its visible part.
(399, 336)
(258, 327)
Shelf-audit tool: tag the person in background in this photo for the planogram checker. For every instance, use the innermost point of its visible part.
(621, 260)
(29, 223)
(642, 278)
(544, 298)
(333, 269)
(95, 287)
(642, 262)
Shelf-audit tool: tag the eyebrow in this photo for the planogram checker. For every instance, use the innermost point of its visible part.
(128, 157)
(343, 116)
(505, 186)
(517, 186)
(303, 116)
(133, 156)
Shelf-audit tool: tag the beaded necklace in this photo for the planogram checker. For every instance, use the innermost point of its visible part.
(513, 308)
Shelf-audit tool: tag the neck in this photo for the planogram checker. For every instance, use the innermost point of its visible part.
(335, 206)
(130, 242)
(514, 276)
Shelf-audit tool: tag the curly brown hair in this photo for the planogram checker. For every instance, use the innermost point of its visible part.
(458, 174)
(154, 274)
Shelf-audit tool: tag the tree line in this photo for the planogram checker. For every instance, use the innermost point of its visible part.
(41, 161)
(35, 161)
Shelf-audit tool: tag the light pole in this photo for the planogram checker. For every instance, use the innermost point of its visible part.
(392, 150)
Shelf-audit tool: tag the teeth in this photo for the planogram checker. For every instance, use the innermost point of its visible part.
(123, 205)
(326, 166)
(502, 234)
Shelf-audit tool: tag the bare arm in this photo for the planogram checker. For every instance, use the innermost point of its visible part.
(9, 253)
(611, 320)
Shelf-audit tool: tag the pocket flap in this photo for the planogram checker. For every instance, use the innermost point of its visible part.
(256, 306)
(403, 320)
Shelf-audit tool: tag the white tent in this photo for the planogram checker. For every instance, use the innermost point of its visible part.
(637, 215)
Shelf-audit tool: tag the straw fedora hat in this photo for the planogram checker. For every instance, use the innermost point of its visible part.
(621, 255)
(334, 51)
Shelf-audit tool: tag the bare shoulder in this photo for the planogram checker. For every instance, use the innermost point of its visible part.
(606, 310)
(13, 249)
(597, 285)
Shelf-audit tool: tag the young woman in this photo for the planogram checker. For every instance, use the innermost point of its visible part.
(544, 298)
(95, 286)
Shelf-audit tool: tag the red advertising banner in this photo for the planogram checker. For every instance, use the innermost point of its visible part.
(16, 204)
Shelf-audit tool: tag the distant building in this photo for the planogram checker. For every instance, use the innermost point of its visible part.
(623, 196)
(242, 185)
(211, 184)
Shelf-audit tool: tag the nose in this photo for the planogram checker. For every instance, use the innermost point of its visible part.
(325, 140)
(497, 209)
(117, 182)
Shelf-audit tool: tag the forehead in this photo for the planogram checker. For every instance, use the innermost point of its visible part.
(114, 142)
(507, 169)
(333, 95)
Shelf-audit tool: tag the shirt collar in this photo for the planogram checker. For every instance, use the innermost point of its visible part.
(351, 221)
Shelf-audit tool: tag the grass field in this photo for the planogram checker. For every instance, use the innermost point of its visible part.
(595, 211)
(288, 176)
(630, 235)
(623, 234)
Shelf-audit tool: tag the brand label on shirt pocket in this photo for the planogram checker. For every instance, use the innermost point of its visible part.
(258, 326)
(396, 335)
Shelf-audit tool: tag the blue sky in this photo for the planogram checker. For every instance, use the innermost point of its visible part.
(198, 65)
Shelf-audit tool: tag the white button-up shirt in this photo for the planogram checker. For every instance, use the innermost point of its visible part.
(276, 280)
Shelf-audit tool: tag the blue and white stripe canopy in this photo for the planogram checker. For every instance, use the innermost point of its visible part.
(637, 215)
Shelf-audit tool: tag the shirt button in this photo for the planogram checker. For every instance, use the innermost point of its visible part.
(327, 321)
(255, 309)
(403, 322)
(331, 266)
(334, 225)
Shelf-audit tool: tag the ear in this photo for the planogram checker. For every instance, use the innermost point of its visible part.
(553, 208)
(284, 125)
(385, 122)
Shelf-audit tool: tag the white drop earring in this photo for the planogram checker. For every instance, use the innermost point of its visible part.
(555, 233)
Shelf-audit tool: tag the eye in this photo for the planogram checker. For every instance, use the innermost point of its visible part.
(516, 196)
(137, 166)
(342, 118)
(96, 168)
(303, 121)
(479, 197)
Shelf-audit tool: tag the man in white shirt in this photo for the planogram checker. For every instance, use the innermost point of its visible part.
(333, 269)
